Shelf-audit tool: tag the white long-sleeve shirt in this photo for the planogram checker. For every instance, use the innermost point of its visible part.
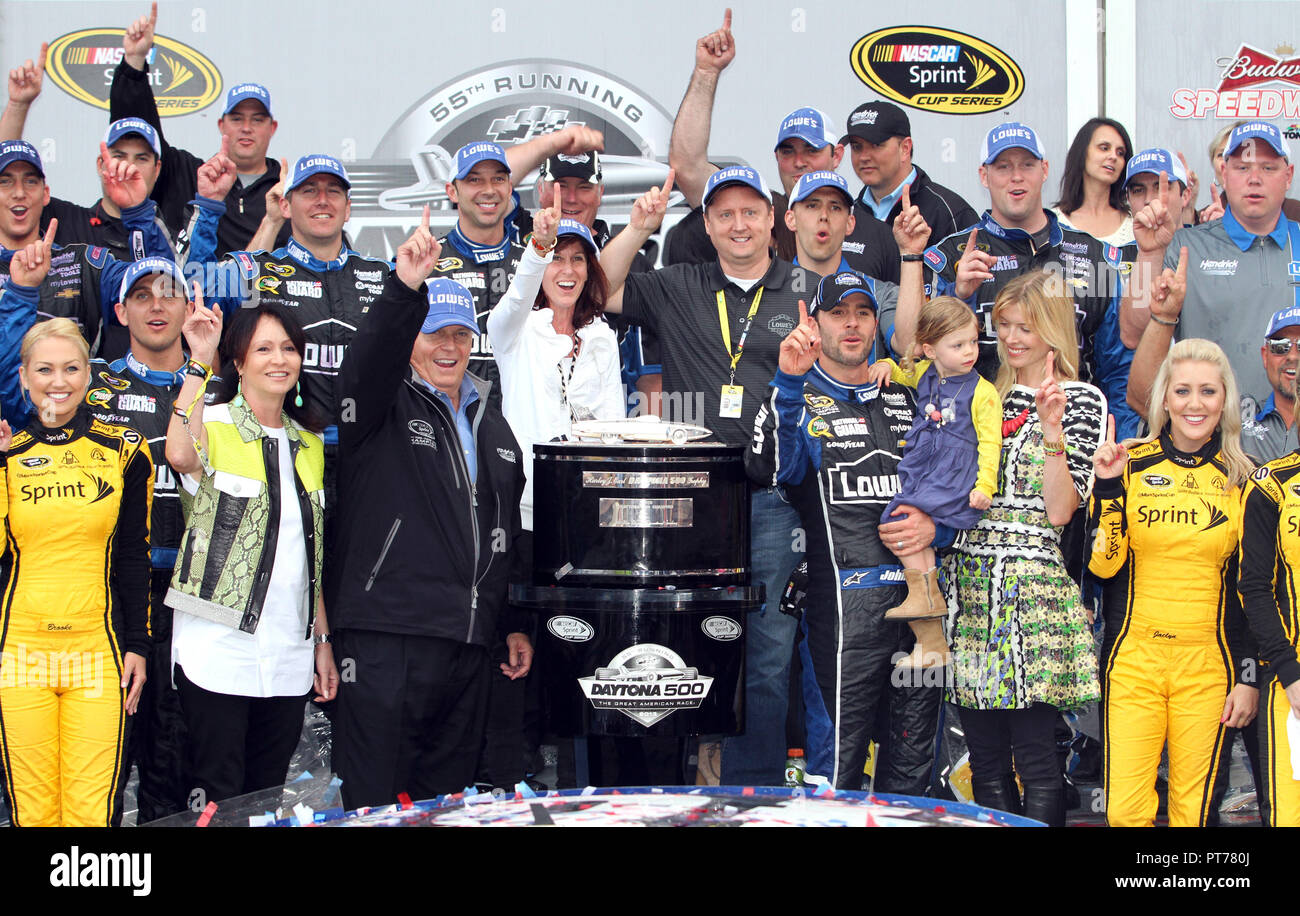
(531, 356)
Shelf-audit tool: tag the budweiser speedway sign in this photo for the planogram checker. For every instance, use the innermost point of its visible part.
(1252, 84)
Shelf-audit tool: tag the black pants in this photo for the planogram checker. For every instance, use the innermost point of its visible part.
(996, 736)
(157, 746)
(236, 745)
(410, 716)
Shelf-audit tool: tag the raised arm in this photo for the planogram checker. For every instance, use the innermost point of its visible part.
(24, 87)
(688, 148)
(911, 232)
(616, 258)
(508, 317)
(572, 140)
(1166, 304)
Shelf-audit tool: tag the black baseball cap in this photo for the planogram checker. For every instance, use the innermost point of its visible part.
(876, 122)
(584, 165)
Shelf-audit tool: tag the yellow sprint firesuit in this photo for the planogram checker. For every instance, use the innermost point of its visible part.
(75, 582)
(1166, 538)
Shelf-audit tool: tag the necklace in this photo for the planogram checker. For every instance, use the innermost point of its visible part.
(1012, 426)
(565, 380)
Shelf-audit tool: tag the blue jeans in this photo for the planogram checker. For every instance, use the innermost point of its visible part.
(757, 758)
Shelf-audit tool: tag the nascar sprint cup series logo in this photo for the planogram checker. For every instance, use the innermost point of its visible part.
(506, 103)
(82, 63)
(937, 70)
(646, 683)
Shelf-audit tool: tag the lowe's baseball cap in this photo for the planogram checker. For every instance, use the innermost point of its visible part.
(809, 125)
(127, 127)
(449, 304)
(1011, 135)
(585, 166)
(736, 174)
(1257, 130)
(1286, 318)
(318, 164)
(149, 266)
(244, 91)
(876, 122)
(471, 154)
(1155, 161)
(573, 227)
(833, 289)
(811, 181)
(12, 151)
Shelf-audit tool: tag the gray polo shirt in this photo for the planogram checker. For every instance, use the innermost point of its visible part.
(1235, 282)
(1264, 435)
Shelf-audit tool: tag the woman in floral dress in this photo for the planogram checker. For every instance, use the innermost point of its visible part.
(1021, 642)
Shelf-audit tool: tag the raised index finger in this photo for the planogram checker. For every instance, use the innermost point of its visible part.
(803, 312)
(1049, 368)
(672, 176)
(48, 241)
(1164, 187)
(153, 14)
(1181, 272)
(1110, 428)
(40, 61)
(424, 219)
(970, 242)
(726, 20)
(907, 196)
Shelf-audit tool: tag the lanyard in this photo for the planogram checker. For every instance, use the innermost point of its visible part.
(726, 328)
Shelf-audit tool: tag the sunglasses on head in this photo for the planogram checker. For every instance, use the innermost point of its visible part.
(1280, 346)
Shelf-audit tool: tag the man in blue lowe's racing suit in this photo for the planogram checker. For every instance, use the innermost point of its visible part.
(833, 440)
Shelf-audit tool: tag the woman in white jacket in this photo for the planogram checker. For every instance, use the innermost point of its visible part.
(556, 354)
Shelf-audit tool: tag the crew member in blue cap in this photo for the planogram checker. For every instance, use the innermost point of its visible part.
(416, 586)
(482, 251)
(246, 126)
(1268, 429)
(1239, 270)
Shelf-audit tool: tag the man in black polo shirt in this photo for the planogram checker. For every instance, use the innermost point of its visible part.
(742, 304)
(804, 143)
(879, 137)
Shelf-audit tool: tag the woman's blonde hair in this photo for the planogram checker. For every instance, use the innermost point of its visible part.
(940, 317)
(63, 328)
(1198, 350)
(1048, 312)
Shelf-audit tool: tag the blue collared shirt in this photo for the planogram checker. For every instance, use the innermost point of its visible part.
(882, 207)
(464, 429)
(1243, 238)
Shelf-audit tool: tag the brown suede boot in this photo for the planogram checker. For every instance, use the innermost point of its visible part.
(931, 649)
(921, 601)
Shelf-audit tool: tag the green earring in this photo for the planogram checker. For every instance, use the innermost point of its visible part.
(239, 393)
(297, 398)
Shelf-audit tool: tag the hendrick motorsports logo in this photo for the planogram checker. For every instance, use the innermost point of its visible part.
(81, 64)
(646, 683)
(509, 103)
(937, 70)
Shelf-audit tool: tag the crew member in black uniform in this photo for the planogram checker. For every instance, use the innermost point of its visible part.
(832, 439)
(139, 391)
(479, 252)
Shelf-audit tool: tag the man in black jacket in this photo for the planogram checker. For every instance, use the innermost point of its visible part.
(879, 138)
(246, 123)
(428, 507)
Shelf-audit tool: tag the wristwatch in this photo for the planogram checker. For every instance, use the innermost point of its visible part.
(910, 257)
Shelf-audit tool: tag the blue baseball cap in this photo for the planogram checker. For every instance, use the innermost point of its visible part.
(1286, 318)
(125, 127)
(471, 154)
(832, 290)
(318, 164)
(811, 181)
(1257, 130)
(1155, 161)
(449, 304)
(809, 125)
(736, 174)
(573, 227)
(152, 265)
(1011, 135)
(12, 151)
(244, 91)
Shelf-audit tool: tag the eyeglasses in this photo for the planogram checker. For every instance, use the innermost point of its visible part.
(1281, 346)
